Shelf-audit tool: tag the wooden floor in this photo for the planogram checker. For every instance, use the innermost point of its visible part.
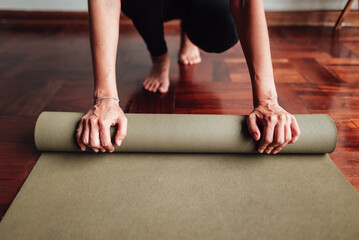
(51, 70)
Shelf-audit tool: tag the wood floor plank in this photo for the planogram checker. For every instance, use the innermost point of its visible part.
(314, 72)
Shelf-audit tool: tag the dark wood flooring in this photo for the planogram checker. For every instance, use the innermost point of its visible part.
(50, 69)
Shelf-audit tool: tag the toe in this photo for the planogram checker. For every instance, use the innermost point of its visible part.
(164, 87)
(185, 61)
(150, 87)
(145, 83)
(147, 87)
(155, 87)
(182, 60)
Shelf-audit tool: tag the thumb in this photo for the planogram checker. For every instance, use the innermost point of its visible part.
(121, 131)
(253, 127)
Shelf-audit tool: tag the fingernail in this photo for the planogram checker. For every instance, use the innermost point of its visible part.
(119, 142)
(274, 152)
(268, 152)
(260, 150)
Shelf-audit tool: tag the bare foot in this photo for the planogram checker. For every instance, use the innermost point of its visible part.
(158, 77)
(189, 53)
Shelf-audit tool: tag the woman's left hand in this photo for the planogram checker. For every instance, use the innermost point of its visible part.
(279, 127)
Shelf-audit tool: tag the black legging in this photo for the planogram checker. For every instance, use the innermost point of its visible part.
(208, 23)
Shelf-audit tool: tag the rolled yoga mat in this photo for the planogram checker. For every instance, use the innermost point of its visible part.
(185, 133)
(183, 177)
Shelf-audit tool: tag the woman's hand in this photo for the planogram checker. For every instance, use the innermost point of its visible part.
(94, 128)
(279, 127)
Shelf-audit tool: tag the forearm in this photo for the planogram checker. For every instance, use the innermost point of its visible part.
(253, 34)
(104, 21)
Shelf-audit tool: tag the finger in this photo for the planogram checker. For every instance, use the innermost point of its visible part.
(274, 144)
(253, 127)
(94, 140)
(295, 130)
(278, 138)
(277, 149)
(105, 136)
(287, 138)
(95, 149)
(121, 131)
(85, 133)
(267, 138)
(102, 149)
(78, 135)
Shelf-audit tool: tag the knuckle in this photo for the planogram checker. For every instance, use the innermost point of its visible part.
(288, 117)
(122, 136)
(88, 122)
(94, 143)
(278, 149)
(252, 116)
(287, 139)
(124, 119)
(267, 140)
(93, 121)
(272, 118)
(102, 123)
(270, 147)
(281, 117)
(106, 144)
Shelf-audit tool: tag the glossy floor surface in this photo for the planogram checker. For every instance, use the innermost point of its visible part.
(50, 69)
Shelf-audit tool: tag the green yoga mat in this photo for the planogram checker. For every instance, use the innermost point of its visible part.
(183, 177)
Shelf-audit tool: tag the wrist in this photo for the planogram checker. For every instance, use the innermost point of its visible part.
(107, 103)
(100, 93)
(265, 99)
(264, 91)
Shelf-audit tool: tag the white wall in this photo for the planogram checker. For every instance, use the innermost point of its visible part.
(277, 5)
(54, 5)
(81, 5)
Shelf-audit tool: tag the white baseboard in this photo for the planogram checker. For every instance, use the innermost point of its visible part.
(81, 5)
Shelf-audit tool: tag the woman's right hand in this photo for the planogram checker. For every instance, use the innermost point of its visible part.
(94, 128)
